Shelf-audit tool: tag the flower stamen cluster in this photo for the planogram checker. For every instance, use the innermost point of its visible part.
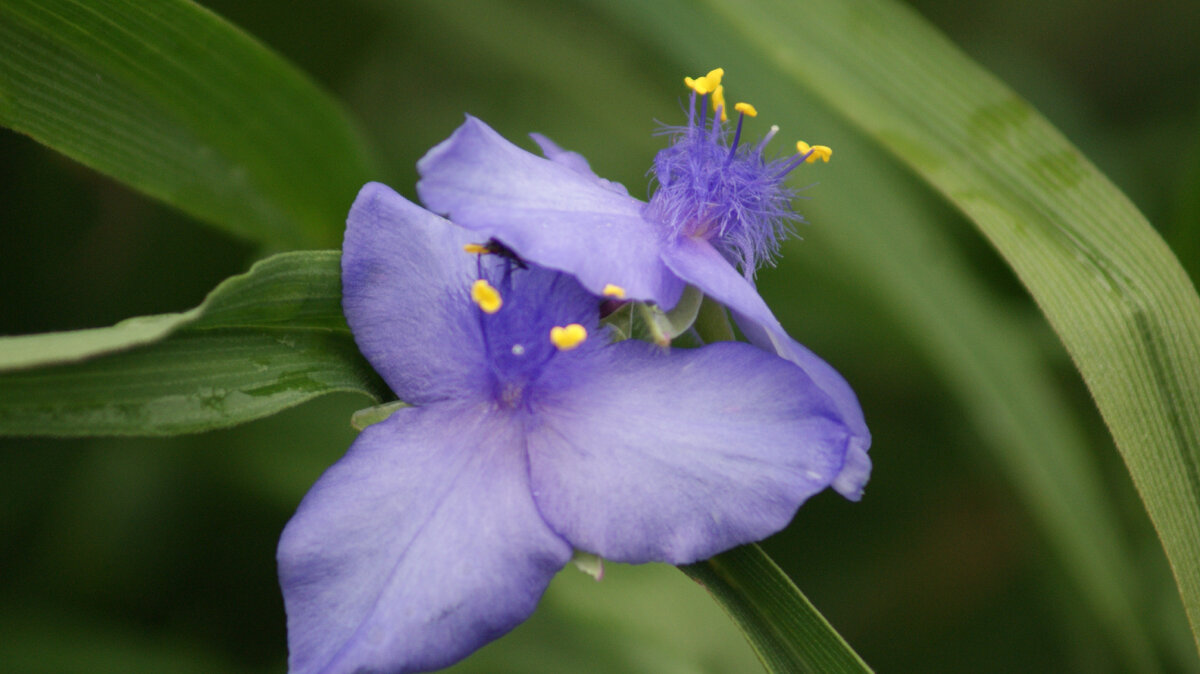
(718, 190)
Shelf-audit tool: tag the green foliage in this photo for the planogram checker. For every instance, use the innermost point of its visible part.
(174, 101)
(782, 626)
(261, 342)
(1110, 287)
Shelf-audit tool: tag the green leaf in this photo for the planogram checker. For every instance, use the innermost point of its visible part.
(299, 290)
(174, 101)
(783, 627)
(1110, 287)
(261, 342)
(1112, 290)
(995, 363)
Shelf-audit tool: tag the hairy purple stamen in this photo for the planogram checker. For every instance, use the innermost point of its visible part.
(721, 191)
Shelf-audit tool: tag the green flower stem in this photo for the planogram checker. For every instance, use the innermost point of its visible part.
(712, 323)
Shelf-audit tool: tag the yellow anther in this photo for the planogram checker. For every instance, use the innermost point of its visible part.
(699, 85)
(822, 152)
(476, 249)
(718, 99)
(706, 84)
(616, 291)
(487, 297)
(746, 109)
(568, 337)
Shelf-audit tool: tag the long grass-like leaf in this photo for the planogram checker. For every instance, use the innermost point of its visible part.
(260, 342)
(172, 100)
(1110, 287)
(786, 631)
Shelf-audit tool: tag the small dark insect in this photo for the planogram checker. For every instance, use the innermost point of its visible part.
(494, 247)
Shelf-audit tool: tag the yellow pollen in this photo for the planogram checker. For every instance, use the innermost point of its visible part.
(718, 100)
(822, 152)
(616, 291)
(487, 297)
(568, 337)
(706, 84)
(476, 249)
(699, 85)
(746, 109)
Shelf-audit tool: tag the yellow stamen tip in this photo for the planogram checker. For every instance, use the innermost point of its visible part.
(476, 249)
(616, 291)
(706, 84)
(568, 337)
(746, 109)
(822, 152)
(487, 297)
(718, 101)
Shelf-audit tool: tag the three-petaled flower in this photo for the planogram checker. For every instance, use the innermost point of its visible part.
(530, 435)
(719, 203)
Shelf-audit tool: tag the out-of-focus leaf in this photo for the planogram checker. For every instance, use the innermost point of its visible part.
(1113, 291)
(172, 100)
(1183, 232)
(1115, 294)
(786, 631)
(981, 349)
(260, 342)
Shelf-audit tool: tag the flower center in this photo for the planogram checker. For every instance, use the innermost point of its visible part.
(527, 317)
(713, 187)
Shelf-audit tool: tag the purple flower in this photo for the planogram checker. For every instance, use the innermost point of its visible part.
(530, 435)
(719, 203)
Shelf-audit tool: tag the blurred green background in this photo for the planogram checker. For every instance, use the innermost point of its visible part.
(158, 555)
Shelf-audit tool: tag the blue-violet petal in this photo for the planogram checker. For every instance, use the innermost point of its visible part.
(857, 470)
(405, 285)
(574, 161)
(419, 546)
(676, 456)
(546, 211)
